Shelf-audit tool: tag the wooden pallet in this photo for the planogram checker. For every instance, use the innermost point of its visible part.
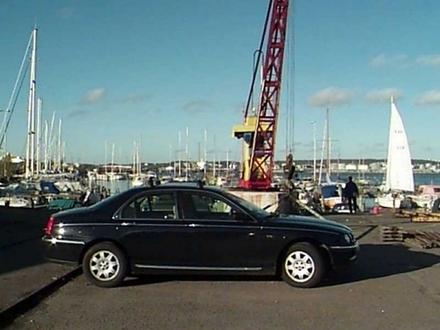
(403, 214)
(423, 239)
(425, 217)
(418, 216)
(392, 234)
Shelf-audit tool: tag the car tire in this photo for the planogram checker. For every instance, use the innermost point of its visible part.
(104, 265)
(303, 266)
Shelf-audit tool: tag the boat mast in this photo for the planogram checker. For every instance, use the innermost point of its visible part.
(45, 145)
(170, 154)
(63, 151)
(133, 169)
(113, 161)
(59, 146)
(227, 162)
(105, 158)
(327, 140)
(179, 142)
(39, 105)
(186, 154)
(51, 138)
(215, 159)
(314, 152)
(205, 153)
(139, 164)
(321, 164)
(30, 145)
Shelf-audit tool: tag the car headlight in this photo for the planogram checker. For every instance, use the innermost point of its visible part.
(347, 238)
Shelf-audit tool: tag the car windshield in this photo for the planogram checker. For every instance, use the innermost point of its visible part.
(254, 209)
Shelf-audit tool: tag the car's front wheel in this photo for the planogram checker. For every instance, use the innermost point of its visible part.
(303, 266)
(104, 265)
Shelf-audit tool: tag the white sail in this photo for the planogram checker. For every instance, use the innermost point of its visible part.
(399, 169)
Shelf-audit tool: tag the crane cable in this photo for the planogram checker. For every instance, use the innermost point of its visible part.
(260, 51)
(290, 104)
(292, 48)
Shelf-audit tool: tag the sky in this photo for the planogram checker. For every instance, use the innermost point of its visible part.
(117, 72)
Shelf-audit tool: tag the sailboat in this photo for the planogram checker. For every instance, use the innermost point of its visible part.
(399, 176)
(138, 178)
(331, 191)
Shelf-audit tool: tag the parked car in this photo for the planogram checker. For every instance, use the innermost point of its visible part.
(191, 229)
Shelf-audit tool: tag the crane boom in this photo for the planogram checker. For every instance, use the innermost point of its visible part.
(259, 131)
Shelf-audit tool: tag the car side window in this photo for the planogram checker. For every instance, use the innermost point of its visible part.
(203, 206)
(151, 206)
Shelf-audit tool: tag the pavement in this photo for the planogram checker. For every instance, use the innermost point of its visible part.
(390, 287)
(23, 268)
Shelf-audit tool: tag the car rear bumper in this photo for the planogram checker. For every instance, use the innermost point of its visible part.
(61, 250)
(343, 255)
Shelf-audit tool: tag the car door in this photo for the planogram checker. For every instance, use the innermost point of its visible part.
(152, 232)
(224, 236)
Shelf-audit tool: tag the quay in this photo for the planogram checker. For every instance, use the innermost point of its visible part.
(379, 291)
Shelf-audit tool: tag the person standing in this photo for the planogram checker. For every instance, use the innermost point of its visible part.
(289, 171)
(351, 192)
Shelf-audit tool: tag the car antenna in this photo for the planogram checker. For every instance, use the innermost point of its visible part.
(200, 184)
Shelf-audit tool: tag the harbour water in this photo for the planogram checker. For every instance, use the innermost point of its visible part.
(377, 178)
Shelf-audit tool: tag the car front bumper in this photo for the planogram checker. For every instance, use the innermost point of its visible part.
(343, 255)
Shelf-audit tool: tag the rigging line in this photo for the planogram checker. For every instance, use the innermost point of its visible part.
(291, 49)
(260, 51)
(287, 142)
(13, 107)
(14, 90)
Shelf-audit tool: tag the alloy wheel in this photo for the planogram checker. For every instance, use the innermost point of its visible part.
(104, 265)
(299, 266)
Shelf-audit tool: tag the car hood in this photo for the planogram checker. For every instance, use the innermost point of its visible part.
(295, 221)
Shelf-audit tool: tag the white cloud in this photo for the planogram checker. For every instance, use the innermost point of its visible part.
(65, 12)
(383, 60)
(133, 99)
(331, 96)
(429, 60)
(93, 96)
(431, 97)
(197, 106)
(382, 95)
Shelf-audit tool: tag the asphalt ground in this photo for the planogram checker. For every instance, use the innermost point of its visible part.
(390, 287)
(23, 268)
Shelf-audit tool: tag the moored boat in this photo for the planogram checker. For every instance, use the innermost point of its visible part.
(399, 175)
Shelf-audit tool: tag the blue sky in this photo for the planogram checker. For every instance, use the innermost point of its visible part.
(118, 71)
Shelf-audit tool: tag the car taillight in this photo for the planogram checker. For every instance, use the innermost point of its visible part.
(49, 226)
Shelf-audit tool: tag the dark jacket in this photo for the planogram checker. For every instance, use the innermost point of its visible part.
(351, 190)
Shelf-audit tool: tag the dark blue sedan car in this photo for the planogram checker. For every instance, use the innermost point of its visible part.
(183, 229)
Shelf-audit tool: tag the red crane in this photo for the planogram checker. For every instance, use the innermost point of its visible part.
(259, 128)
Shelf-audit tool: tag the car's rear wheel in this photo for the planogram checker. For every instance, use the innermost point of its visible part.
(303, 266)
(104, 265)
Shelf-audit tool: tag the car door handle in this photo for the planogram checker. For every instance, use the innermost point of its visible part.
(127, 223)
(193, 225)
(251, 234)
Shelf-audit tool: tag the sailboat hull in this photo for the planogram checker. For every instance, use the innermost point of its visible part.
(388, 201)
